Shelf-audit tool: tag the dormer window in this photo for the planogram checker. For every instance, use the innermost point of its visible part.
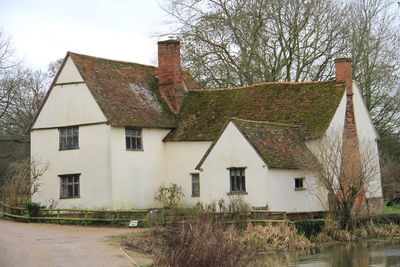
(69, 137)
(133, 138)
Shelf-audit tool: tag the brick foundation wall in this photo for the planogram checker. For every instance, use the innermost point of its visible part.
(375, 205)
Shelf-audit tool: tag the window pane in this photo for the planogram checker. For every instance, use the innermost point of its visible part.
(76, 190)
(195, 184)
(70, 190)
(70, 179)
(128, 142)
(238, 184)
(76, 179)
(133, 143)
(63, 142)
(233, 183)
(139, 143)
(75, 141)
(69, 141)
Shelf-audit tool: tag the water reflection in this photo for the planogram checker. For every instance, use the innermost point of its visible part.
(372, 253)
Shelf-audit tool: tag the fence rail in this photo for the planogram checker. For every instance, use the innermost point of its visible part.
(149, 217)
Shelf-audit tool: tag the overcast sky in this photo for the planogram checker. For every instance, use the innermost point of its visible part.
(44, 30)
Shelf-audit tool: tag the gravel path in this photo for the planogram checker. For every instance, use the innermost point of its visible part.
(34, 244)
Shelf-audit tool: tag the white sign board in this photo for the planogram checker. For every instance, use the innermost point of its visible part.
(133, 223)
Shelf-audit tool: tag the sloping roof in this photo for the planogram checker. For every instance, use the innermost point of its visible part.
(279, 145)
(126, 92)
(205, 112)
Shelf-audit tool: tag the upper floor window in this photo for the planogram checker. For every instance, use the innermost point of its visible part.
(299, 183)
(133, 138)
(69, 186)
(238, 179)
(69, 137)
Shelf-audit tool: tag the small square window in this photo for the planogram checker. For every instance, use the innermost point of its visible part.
(133, 138)
(195, 185)
(69, 138)
(69, 186)
(237, 179)
(299, 183)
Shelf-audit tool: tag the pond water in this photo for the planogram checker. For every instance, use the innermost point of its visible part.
(371, 253)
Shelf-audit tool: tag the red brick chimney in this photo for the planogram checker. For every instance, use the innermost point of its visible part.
(169, 74)
(352, 167)
(344, 73)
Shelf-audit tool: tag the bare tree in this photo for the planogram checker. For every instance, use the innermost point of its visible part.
(390, 176)
(28, 91)
(22, 181)
(241, 42)
(348, 173)
(374, 41)
(53, 67)
(8, 63)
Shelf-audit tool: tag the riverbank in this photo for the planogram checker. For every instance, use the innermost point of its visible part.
(204, 240)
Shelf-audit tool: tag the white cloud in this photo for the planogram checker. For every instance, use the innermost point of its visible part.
(119, 29)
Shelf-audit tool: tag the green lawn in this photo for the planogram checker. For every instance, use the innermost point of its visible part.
(392, 209)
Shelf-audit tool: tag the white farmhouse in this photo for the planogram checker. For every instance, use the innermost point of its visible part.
(113, 132)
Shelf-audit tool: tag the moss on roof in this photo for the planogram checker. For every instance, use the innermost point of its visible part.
(205, 112)
(279, 145)
(126, 92)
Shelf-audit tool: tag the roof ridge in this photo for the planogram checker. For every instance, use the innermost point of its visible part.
(108, 59)
(266, 83)
(266, 122)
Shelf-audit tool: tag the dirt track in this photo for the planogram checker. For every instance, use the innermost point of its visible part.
(33, 244)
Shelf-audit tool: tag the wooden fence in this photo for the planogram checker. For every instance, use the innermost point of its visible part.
(151, 217)
(76, 215)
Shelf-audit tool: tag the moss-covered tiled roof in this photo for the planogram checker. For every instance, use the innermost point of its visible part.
(279, 145)
(126, 92)
(205, 112)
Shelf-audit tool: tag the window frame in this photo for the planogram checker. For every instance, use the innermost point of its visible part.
(195, 183)
(64, 135)
(234, 187)
(300, 186)
(72, 183)
(133, 137)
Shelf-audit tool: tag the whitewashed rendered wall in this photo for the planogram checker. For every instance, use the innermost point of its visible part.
(69, 104)
(283, 196)
(91, 160)
(137, 174)
(73, 104)
(272, 187)
(181, 159)
(368, 141)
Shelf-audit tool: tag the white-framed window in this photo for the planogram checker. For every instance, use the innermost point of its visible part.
(299, 183)
(133, 138)
(69, 138)
(70, 185)
(195, 184)
(237, 179)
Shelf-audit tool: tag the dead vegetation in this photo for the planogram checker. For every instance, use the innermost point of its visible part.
(206, 242)
(280, 236)
(21, 181)
(332, 232)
